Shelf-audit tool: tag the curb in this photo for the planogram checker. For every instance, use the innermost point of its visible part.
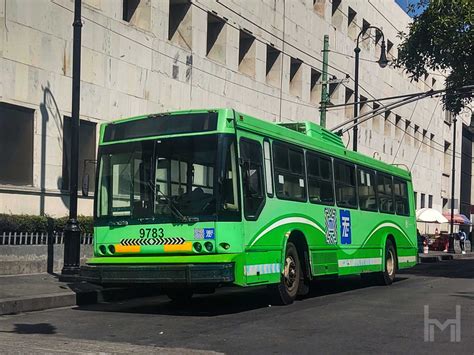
(68, 299)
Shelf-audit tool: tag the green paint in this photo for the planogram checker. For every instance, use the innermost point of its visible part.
(263, 241)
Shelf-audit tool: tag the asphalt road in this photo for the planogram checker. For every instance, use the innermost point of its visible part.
(340, 316)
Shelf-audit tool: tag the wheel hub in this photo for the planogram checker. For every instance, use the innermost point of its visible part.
(390, 263)
(290, 272)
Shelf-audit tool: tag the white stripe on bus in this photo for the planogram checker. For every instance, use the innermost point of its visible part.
(359, 262)
(287, 221)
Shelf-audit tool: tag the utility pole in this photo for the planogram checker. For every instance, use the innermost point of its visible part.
(324, 91)
(453, 180)
(72, 232)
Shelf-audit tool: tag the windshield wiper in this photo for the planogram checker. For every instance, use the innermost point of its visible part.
(172, 206)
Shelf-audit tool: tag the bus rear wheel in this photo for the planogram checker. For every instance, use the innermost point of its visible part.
(286, 290)
(387, 276)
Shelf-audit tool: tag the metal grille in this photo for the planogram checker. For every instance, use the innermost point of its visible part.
(9, 238)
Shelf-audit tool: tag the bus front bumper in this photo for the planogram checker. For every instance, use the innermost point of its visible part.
(184, 274)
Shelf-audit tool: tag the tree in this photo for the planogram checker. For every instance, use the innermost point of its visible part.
(441, 38)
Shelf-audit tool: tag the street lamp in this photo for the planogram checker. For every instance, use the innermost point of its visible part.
(383, 61)
(72, 233)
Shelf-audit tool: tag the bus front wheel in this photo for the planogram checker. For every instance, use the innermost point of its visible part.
(286, 290)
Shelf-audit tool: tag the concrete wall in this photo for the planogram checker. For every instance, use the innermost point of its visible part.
(34, 259)
(133, 68)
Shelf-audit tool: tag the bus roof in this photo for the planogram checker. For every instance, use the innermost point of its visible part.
(306, 134)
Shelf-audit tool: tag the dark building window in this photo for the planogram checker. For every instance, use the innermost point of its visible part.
(87, 148)
(246, 53)
(129, 8)
(422, 201)
(216, 38)
(16, 145)
(273, 66)
(180, 23)
(430, 201)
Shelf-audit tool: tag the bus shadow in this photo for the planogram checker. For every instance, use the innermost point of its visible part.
(227, 300)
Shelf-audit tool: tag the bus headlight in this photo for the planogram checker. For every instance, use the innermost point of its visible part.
(197, 247)
(208, 246)
(112, 249)
(102, 250)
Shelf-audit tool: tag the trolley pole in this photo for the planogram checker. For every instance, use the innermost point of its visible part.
(72, 235)
(324, 91)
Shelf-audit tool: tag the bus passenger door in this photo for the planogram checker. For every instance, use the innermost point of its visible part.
(251, 167)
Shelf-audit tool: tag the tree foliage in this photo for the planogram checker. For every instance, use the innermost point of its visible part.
(441, 38)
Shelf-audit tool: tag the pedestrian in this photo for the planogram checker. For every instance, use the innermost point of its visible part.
(462, 239)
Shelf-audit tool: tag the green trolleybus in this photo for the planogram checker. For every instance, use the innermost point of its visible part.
(194, 200)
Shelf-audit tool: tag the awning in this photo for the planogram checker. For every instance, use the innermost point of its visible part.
(430, 215)
(458, 218)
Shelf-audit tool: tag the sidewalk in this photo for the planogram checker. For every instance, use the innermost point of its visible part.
(435, 256)
(25, 293)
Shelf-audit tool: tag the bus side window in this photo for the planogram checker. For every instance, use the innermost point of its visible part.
(366, 187)
(385, 193)
(268, 167)
(345, 178)
(401, 197)
(289, 172)
(252, 177)
(320, 184)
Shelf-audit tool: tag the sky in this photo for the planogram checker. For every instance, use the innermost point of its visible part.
(404, 5)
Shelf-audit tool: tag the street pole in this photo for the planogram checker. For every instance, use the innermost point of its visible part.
(72, 241)
(382, 63)
(324, 91)
(356, 97)
(451, 237)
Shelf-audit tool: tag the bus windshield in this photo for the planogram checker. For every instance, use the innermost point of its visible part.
(181, 179)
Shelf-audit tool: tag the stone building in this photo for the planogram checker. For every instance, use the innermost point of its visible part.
(262, 57)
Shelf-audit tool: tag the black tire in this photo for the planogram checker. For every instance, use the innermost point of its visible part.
(387, 276)
(179, 295)
(286, 290)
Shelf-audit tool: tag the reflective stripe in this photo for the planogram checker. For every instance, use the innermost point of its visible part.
(359, 262)
(261, 269)
(407, 259)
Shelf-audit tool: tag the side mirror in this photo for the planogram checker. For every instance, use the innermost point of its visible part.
(85, 185)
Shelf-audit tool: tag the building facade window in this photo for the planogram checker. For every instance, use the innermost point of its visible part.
(273, 66)
(296, 77)
(422, 201)
(247, 47)
(180, 23)
(216, 38)
(430, 201)
(87, 149)
(129, 8)
(16, 145)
